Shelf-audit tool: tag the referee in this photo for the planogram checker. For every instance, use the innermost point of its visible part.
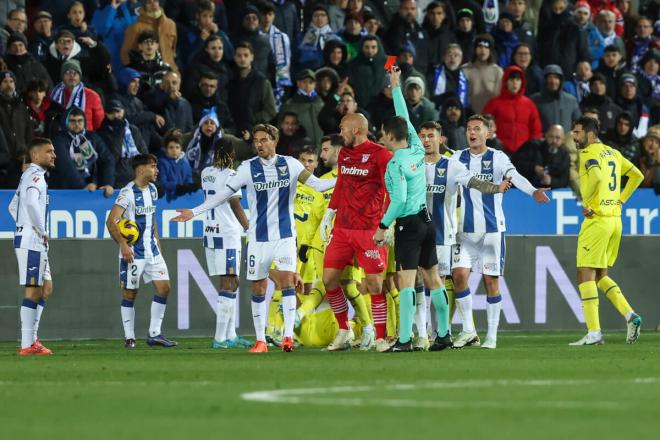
(414, 236)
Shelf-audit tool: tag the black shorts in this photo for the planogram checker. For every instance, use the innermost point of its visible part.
(414, 242)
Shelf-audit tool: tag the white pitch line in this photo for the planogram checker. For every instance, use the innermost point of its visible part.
(315, 395)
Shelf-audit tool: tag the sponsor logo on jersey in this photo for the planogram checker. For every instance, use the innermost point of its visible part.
(354, 171)
(212, 229)
(283, 169)
(435, 188)
(413, 167)
(487, 164)
(145, 210)
(209, 179)
(373, 254)
(365, 157)
(285, 260)
(493, 267)
(488, 177)
(304, 198)
(256, 175)
(610, 202)
(441, 172)
(264, 186)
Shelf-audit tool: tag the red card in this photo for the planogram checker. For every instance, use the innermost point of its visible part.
(390, 62)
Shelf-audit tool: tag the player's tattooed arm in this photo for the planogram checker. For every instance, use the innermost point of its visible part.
(489, 187)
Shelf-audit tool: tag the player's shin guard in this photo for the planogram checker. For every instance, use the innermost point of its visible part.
(358, 303)
(420, 312)
(289, 310)
(274, 316)
(406, 314)
(464, 307)
(493, 308)
(128, 318)
(223, 314)
(441, 305)
(589, 295)
(379, 313)
(40, 310)
(28, 316)
(339, 306)
(158, 306)
(614, 294)
(259, 317)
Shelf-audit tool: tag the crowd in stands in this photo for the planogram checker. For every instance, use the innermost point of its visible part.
(109, 79)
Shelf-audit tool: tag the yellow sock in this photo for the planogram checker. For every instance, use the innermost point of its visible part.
(614, 294)
(357, 301)
(310, 302)
(392, 298)
(275, 319)
(589, 295)
(395, 296)
(367, 304)
(449, 287)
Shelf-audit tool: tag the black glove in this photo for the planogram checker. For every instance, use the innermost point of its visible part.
(302, 253)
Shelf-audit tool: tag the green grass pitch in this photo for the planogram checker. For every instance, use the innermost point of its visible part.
(532, 387)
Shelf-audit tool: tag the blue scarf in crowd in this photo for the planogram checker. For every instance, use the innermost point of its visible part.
(77, 98)
(440, 84)
(194, 152)
(82, 152)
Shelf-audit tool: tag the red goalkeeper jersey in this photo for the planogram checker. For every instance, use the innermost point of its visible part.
(359, 195)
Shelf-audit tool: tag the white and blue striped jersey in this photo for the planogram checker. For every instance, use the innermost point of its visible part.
(222, 229)
(443, 180)
(140, 206)
(29, 208)
(271, 191)
(483, 212)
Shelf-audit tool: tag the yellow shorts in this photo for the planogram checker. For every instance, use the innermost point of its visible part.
(598, 242)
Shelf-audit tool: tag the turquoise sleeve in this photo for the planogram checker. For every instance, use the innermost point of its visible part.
(401, 109)
(398, 192)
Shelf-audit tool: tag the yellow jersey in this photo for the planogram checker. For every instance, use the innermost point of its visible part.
(601, 168)
(305, 197)
(317, 210)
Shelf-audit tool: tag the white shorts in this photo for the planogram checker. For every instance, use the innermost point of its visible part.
(444, 259)
(262, 255)
(33, 267)
(223, 261)
(149, 269)
(481, 252)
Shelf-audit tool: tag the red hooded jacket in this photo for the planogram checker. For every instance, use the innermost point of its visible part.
(516, 115)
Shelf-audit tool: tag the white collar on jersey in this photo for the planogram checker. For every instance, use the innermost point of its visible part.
(38, 167)
(268, 162)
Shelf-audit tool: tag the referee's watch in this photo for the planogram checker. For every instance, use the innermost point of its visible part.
(383, 227)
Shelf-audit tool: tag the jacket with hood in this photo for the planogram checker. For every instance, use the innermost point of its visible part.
(341, 68)
(366, 75)
(607, 110)
(628, 144)
(424, 110)
(113, 136)
(111, 24)
(26, 67)
(66, 176)
(308, 110)
(162, 26)
(515, 114)
(173, 173)
(505, 44)
(556, 107)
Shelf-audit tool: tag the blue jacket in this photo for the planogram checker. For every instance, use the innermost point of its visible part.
(110, 25)
(173, 172)
(596, 44)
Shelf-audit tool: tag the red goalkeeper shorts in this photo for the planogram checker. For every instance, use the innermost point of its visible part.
(345, 244)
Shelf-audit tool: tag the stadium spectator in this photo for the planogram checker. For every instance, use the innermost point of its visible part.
(193, 38)
(249, 32)
(24, 65)
(466, 33)
(335, 56)
(612, 67)
(250, 98)
(280, 45)
(483, 74)
(206, 97)
(406, 61)
(331, 115)
(337, 14)
(146, 121)
(438, 26)
(643, 40)
(15, 124)
(629, 19)
(420, 108)
(597, 6)
(147, 59)
(123, 141)
(72, 92)
(556, 159)
(307, 104)
(448, 79)
(515, 114)
(6, 7)
(622, 138)
(452, 119)
(373, 25)
(578, 84)
(16, 23)
(492, 141)
(605, 22)
(404, 29)
(292, 135)
(152, 17)
(560, 40)
(42, 35)
(523, 57)
(174, 172)
(327, 85)
(630, 101)
(200, 147)
(211, 59)
(111, 23)
(351, 35)
(649, 163)
(366, 73)
(648, 79)
(287, 18)
(522, 28)
(77, 23)
(600, 102)
(528, 161)
(582, 15)
(166, 101)
(45, 114)
(82, 158)
(506, 40)
(312, 44)
(381, 106)
(555, 106)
